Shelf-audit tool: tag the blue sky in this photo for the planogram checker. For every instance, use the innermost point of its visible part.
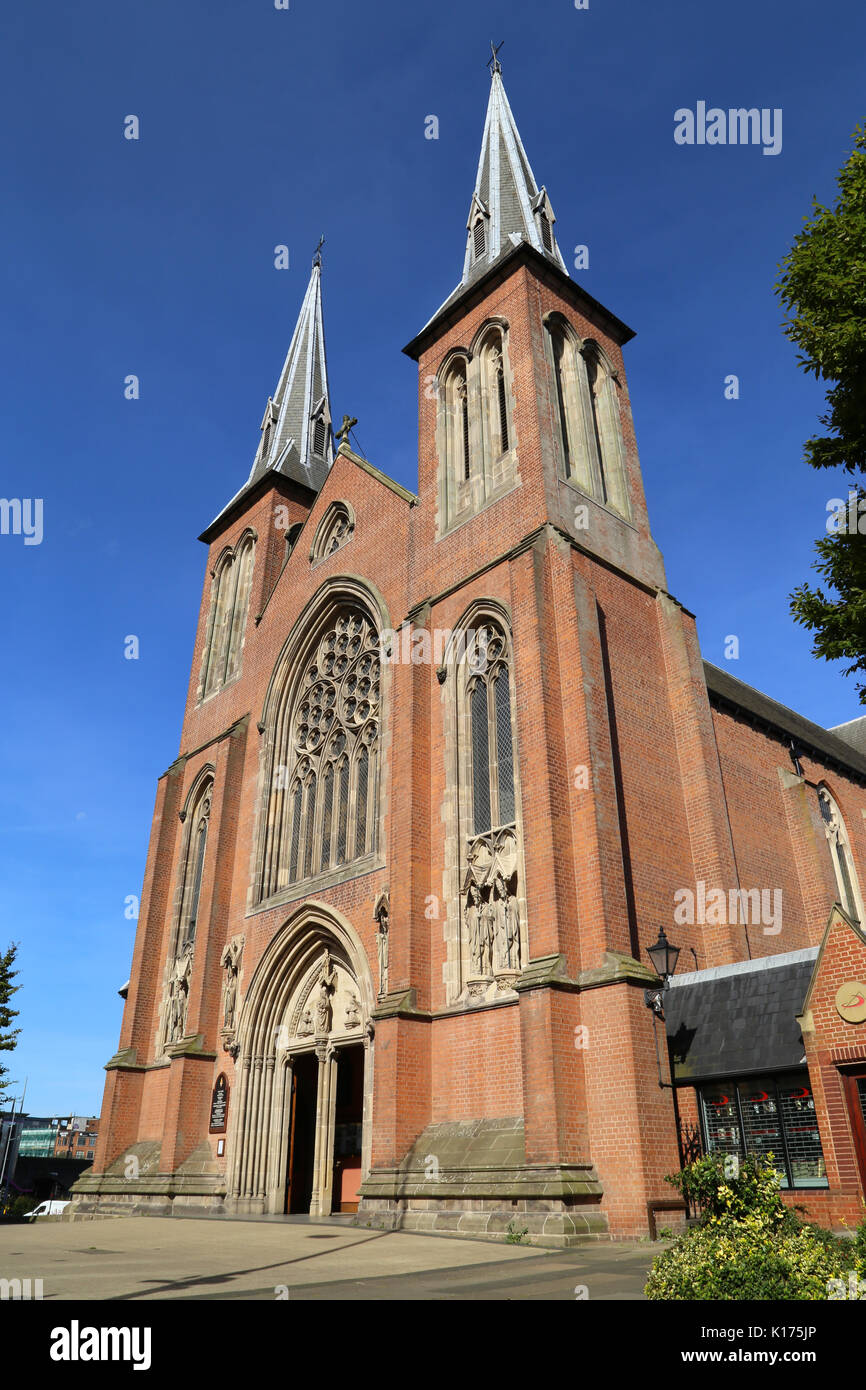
(155, 257)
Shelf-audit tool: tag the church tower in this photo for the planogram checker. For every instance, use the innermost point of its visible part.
(535, 574)
(188, 942)
(522, 383)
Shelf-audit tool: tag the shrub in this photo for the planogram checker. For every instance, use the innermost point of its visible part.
(748, 1245)
(755, 1188)
(743, 1260)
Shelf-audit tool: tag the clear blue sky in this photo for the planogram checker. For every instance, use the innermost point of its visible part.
(155, 257)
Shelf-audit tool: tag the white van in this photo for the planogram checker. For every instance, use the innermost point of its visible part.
(47, 1209)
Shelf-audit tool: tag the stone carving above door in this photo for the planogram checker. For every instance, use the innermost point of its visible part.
(328, 1003)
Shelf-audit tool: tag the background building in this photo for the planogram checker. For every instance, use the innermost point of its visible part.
(42, 1157)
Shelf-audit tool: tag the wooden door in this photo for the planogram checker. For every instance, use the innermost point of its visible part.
(854, 1082)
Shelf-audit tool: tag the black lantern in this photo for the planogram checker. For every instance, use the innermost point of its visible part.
(664, 956)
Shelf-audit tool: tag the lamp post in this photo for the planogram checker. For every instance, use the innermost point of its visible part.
(664, 957)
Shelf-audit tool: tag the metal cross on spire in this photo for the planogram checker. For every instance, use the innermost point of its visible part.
(348, 422)
(493, 62)
(317, 259)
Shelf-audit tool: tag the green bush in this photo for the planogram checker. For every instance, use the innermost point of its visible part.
(749, 1245)
(754, 1189)
(743, 1260)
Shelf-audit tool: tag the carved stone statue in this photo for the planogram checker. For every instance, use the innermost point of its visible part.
(179, 995)
(230, 960)
(498, 913)
(305, 1027)
(353, 1012)
(177, 1013)
(327, 981)
(512, 931)
(382, 915)
(476, 930)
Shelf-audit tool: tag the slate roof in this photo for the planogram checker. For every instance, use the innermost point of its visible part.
(853, 732)
(738, 1019)
(827, 743)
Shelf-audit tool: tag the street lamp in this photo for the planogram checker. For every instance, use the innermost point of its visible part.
(664, 957)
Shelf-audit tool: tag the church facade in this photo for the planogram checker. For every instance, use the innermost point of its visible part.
(450, 762)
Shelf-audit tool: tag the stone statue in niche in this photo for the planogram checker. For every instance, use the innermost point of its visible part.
(382, 917)
(353, 1012)
(512, 931)
(326, 985)
(179, 995)
(497, 915)
(231, 963)
(491, 921)
(305, 1027)
(477, 930)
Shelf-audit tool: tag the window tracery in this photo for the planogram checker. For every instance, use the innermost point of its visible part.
(322, 806)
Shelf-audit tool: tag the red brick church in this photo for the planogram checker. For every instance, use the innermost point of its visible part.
(451, 763)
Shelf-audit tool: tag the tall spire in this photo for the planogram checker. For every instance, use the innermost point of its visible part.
(507, 205)
(296, 427)
(296, 436)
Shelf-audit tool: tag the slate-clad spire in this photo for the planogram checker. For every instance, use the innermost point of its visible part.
(507, 204)
(296, 436)
(296, 426)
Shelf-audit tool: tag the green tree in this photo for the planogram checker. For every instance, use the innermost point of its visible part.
(8, 1035)
(822, 285)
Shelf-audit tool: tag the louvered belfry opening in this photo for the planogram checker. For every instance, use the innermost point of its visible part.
(479, 239)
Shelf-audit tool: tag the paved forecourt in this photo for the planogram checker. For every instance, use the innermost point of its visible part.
(135, 1258)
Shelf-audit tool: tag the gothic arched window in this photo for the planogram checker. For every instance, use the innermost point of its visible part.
(491, 733)
(322, 801)
(840, 853)
(573, 407)
(607, 435)
(336, 528)
(587, 411)
(230, 599)
(492, 935)
(495, 393)
(194, 865)
(456, 439)
(475, 431)
(178, 971)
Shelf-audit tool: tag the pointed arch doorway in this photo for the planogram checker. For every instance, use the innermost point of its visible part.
(301, 1134)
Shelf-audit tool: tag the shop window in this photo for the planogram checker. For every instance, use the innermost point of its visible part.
(767, 1115)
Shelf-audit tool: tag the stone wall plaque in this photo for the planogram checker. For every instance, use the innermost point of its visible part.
(219, 1105)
